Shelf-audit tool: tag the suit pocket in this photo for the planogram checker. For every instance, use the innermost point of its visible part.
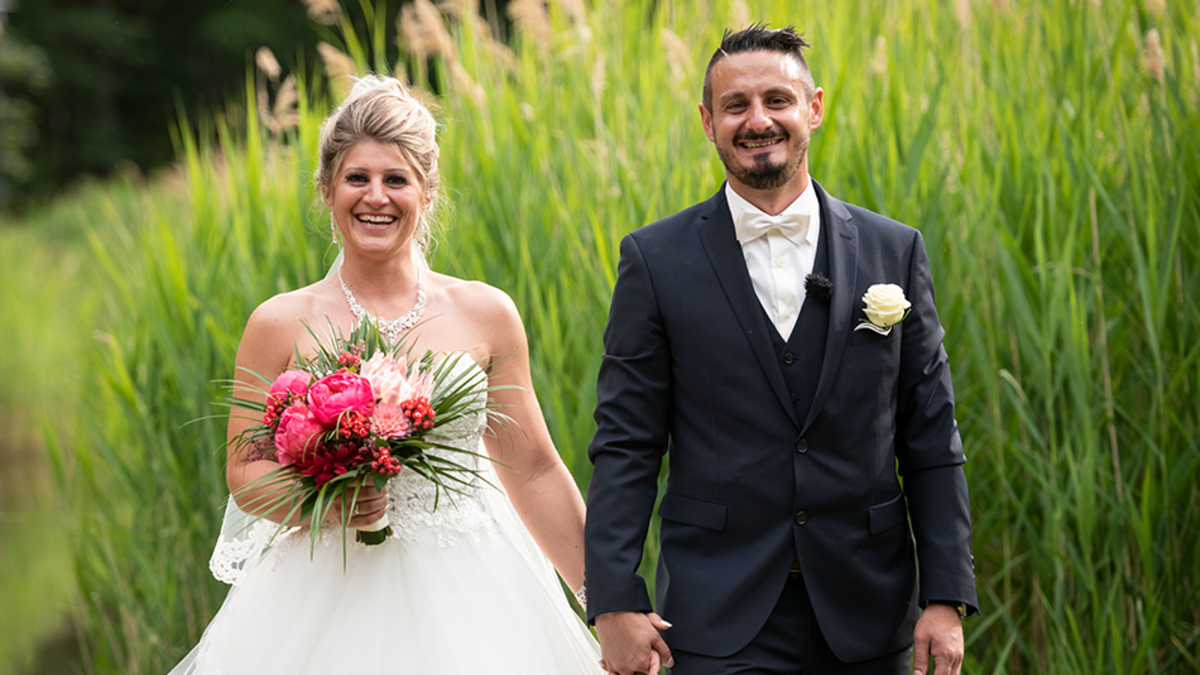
(691, 511)
(887, 515)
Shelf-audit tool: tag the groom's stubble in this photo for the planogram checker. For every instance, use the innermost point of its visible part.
(763, 174)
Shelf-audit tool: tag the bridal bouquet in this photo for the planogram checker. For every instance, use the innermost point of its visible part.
(360, 410)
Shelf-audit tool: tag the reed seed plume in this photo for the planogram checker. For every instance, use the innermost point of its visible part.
(460, 9)
(501, 52)
(532, 20)
(285, 114)
(962, 12)
(679, 57)
(599, 79)
(574, 10)
(339, 68)
(265, 60)
(1153, 59)
(464, 83)
(1157, 8)
(739, 15)
(409, 29)
(879, 56)
(326, 12)
(433, 27)
(424, 32)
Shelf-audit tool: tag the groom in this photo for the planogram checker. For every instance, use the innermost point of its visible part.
(809, 430)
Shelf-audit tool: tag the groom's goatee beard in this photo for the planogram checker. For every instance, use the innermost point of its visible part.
(763, 175)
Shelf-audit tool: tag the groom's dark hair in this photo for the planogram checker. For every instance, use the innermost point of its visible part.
(759, 38)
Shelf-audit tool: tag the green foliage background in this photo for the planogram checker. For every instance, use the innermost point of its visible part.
(1045, 150)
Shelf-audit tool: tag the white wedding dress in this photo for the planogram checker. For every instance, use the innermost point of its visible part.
(457, 590)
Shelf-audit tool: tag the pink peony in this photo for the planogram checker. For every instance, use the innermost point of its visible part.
(387, 375)
(392, 381)
(294, 382)
(298, 435)
(390, 421)
(331, 396)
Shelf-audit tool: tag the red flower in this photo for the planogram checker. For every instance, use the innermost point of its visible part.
(354, 425)
(331, 461)
(385, 464)
(420, 412)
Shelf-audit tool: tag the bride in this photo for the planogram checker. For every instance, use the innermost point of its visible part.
(460, 589)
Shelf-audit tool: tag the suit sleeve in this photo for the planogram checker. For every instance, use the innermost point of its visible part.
(929, 448)
(633, 395)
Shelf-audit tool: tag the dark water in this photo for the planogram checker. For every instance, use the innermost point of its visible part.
(37, 636)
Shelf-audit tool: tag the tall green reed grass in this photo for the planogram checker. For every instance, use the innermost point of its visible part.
(1046, 151)
(51, 303)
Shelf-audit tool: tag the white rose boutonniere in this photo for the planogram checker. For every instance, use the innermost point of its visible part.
(886, 306)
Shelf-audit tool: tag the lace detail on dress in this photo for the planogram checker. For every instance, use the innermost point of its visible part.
(231, 556)
(412, 498)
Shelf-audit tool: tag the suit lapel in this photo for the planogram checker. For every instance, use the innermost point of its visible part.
(842, 238)
(720, 243)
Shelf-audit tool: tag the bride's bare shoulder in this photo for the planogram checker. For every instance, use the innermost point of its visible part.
(478, 300)
(284, 314)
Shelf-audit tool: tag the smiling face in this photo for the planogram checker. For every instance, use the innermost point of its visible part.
(762, 117)
(376, 199)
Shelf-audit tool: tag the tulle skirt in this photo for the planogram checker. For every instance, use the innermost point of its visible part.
(447, 603)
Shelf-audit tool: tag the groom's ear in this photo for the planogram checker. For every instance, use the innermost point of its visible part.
(706, 119)
(816, 108)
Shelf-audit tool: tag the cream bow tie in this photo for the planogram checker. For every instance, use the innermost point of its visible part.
(754, 224)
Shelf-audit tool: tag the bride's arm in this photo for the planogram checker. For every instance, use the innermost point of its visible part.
(261, 351)
(538, 483)
(266, 349)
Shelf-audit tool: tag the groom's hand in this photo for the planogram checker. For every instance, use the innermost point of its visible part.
(938, 636)
(630, 643)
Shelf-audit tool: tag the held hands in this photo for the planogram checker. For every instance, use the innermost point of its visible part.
(370, 507)
(630, 643)
(938, 634)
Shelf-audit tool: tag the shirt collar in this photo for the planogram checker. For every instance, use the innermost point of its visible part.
(805, 203)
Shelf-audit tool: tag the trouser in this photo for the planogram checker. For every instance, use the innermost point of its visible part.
(790, 643)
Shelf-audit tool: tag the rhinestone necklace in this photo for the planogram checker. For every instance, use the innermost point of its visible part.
(391, 328)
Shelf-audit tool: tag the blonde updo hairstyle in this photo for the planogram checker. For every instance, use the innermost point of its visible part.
(381, 109)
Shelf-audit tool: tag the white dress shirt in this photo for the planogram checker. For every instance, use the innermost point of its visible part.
(778, 263)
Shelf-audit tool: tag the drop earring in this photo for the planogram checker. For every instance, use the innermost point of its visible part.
(333, 228)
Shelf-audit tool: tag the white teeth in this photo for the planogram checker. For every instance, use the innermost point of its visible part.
(761, 145)
(377, 220)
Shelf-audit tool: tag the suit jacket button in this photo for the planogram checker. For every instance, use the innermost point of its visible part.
(801, 517)
(802, 446)
(789, 359)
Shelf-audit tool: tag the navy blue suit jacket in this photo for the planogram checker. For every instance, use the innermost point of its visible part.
(689, 371)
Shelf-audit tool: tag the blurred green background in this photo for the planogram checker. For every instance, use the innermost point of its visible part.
(1046, 150)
